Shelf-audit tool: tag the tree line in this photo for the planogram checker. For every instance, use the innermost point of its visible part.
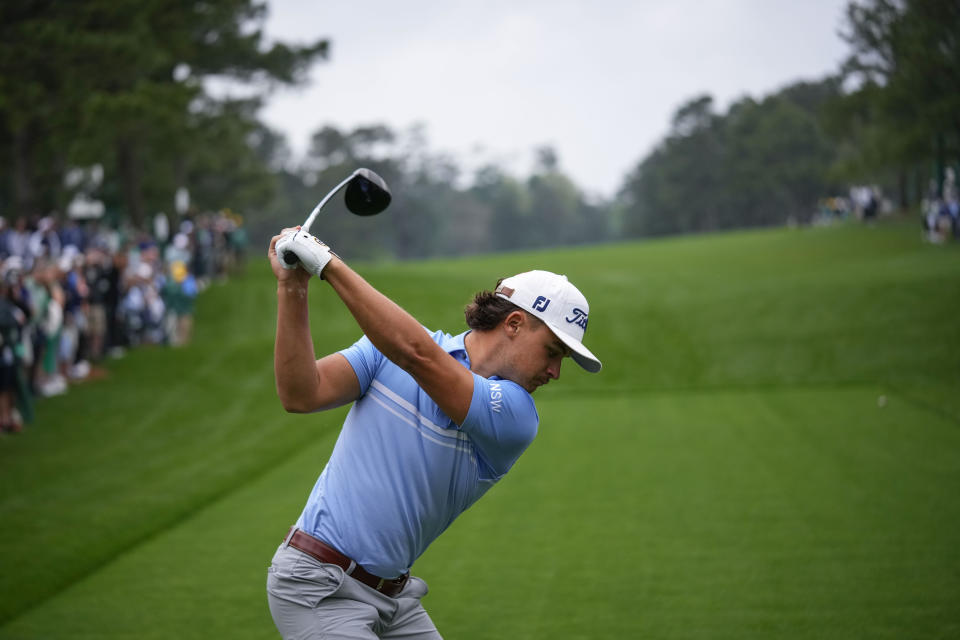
(124, 85)
(431, 214)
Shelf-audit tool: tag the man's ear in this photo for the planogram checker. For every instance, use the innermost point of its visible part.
(513, 322)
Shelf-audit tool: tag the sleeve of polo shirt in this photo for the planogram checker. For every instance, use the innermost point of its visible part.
(365, 360)
(502, 421)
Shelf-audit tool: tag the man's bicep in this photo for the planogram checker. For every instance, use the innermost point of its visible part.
(338, 382)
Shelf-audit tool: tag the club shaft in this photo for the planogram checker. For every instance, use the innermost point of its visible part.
(313, 214)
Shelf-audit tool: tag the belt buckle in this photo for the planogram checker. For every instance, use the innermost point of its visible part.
(379, 586)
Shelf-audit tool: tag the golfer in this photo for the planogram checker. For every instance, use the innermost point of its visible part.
(436, 421)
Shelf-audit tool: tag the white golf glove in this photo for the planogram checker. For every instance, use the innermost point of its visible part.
(312, 254)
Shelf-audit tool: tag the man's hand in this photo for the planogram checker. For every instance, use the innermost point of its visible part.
(283, 271)
(312, 254)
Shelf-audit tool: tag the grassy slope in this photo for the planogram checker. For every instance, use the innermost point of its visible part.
(717, 514)
(714, 331)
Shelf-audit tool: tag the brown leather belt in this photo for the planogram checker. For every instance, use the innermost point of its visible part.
(325, 553)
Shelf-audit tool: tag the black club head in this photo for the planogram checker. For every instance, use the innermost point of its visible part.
(367, 193)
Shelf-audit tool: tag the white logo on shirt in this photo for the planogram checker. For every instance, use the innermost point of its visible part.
(496, 397)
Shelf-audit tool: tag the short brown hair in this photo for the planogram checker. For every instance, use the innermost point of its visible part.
(488, 310)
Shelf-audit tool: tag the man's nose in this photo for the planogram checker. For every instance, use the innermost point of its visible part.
(553, 370)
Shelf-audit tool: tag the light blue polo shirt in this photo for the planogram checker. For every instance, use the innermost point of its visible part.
(401, 470)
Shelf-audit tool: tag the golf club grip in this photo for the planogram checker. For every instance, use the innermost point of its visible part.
(290, 258)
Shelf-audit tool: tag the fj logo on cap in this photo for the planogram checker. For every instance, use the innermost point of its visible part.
(541, 304)
(579, 318)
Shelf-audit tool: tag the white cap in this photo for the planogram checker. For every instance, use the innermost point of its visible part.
(561, 306)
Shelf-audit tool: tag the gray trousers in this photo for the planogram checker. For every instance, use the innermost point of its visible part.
(310, 599)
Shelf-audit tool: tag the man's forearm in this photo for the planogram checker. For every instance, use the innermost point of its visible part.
(294, 363)
(392, 330)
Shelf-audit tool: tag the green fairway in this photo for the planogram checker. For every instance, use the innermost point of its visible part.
(771, 450)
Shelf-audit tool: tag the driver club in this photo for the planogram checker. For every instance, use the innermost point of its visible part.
(367, 195)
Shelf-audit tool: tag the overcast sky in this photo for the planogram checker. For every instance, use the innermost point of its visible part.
(493, 79)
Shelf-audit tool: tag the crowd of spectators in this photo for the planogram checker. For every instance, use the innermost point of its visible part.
(76, 292)
(941, 210)
(863, 202)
